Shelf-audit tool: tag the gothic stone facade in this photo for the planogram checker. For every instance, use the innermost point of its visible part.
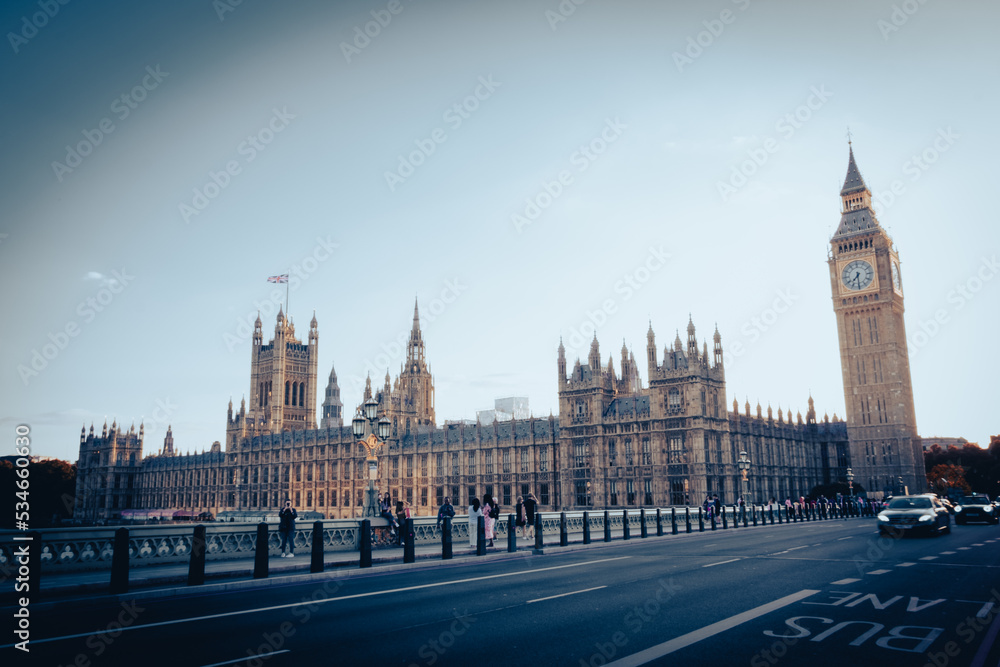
(616, 443)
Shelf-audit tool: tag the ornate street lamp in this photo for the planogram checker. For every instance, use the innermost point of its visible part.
(366, 421)
(850, 483)
(744, 466)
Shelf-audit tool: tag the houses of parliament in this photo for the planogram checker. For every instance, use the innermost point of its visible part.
(617, 442)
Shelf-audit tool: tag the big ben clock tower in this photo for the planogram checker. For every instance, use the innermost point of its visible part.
(868, 302)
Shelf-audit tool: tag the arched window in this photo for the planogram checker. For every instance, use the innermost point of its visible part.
(288, 387)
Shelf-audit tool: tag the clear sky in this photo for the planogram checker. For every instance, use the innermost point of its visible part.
(524, 169)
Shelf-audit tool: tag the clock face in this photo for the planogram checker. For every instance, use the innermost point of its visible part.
(897, 283)
(858, 275)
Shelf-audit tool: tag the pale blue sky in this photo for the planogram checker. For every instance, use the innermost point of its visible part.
(169, 345)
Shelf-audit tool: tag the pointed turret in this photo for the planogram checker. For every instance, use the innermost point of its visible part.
(333, 408)
(692, 341)
(717, 339)
(853, 182)
(857, 214)
(651, 362)
(595, 355)
(561, 363)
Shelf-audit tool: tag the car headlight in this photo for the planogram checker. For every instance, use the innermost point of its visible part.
(926, 517)
(988, 509)
(958, 508)
(883, 517)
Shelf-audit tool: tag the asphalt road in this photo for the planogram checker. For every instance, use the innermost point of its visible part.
(823, 593)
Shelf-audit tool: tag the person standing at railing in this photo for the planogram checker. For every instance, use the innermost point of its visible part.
(520, 518)
(446, 510)
(286, 527)
(490, 513)
(530, 505)
(474, 513)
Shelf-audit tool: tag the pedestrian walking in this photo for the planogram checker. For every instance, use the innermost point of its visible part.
(530, 506)
(521, 518)
(474, 513)
(286, 527)
(401, 516)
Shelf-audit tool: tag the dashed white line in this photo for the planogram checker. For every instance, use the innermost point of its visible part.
(965, 548)
(849, 537)
(732, 560)
(562, 595)
(248, 657)
(844, 582)
(878, 572)
(978, 544)
(905, 564)
(928, 558)
(678, 643)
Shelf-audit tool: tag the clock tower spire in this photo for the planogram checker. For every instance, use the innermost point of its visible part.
(868, 302)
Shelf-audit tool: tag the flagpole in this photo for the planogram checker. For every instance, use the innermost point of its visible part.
(287, 283)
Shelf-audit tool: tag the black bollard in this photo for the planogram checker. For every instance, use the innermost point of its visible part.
(260, 553)
(446, 549)
(481, 537)
(586, 527)
(511, 533)
(607, 526)
(659, 523)
(725, 521)
(317, 547)
(409, 547)
(625, 531)
(771, 512)
(34, 563)
(365, 543)
(643, 531)
(196, 566)
(746, 519)
(673, 520)
(119, 563)
(687, 519)
(701, 520)
(563, 533)
(754, 510)
(712, 520)
(539, 538)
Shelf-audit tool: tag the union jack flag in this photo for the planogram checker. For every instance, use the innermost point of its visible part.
(283, 278)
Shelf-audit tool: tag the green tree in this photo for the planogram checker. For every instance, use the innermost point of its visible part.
(51, 491)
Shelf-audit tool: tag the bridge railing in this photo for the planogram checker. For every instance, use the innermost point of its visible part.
(80, 549)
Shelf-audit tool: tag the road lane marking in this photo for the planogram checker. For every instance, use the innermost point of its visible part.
(948, 553)
(778, 553)
(732, 560)
(928, 558)
(562, 595)
(980, 659)
(905, 564)
(678, 643)
(849, 537)
(877, 572)
(290, 605)
(965, 548)
(844, 582)
(248, 657)
(978, 544)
